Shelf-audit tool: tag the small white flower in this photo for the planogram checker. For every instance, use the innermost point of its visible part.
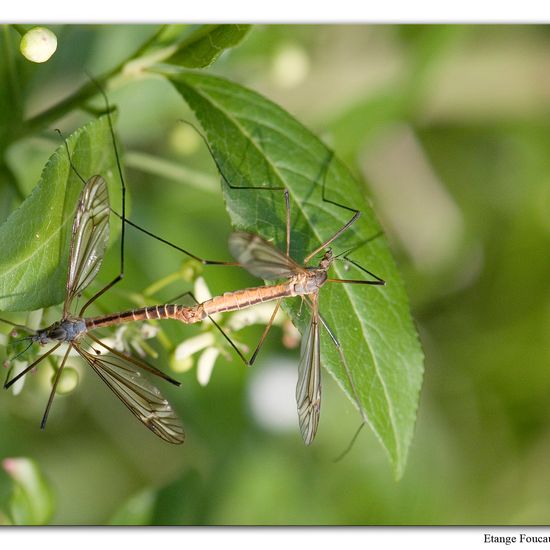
(148, 331)
(202, 292)
(193, 345)
(18, 366)
(205, 365)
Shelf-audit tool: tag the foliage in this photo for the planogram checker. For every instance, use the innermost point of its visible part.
(31, 499)
(447, 125)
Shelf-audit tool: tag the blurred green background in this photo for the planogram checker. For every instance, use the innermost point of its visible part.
(449, 129)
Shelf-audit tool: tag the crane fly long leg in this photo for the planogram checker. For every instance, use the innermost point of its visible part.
(287, 208)
(342, 229)
(7, 383)
(203, 261)
(141, 397)
(120, 276)
(340, 351)
(351, 444)
(266, 331)
(54, 387)
(357, 282)
(220, 329)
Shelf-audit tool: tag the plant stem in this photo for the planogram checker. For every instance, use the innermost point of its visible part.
(11, 74)
(84, 93)
(170, 170)
(161, 283)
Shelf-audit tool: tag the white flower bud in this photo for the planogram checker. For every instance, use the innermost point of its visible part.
(206, 365)
(38, 44)
(193, 345)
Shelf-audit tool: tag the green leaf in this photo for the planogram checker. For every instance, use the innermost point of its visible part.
(35, 238)
(31, 501)
(205, 44)
(255, 142)
(182, 502)
(137, 510)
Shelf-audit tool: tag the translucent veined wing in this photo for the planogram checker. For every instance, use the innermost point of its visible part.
(261, 258)
(308, 389)
(89, 239)
(143, 399)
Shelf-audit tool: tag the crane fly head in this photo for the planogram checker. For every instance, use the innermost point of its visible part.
(326, 260)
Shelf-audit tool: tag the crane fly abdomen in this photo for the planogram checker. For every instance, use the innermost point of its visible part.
(240, 299)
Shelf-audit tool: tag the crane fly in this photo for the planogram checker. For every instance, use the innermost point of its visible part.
(90, 234)
(265, 261)
(89, 238)
(121, 372)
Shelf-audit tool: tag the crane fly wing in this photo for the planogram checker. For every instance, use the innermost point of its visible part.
(261, 258)
(143, 399)
(308, 389)
(89, 239)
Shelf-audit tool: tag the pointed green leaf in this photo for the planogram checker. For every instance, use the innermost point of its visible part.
(205, 44)
(137, 510)
(31, 501)
(255, 142)
(35, 238)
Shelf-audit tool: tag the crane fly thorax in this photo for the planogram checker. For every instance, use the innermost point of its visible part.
(65, 330)
(310, 281)
(313, 278)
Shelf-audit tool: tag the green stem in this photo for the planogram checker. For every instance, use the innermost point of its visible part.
(161, 283)
(170, 170)
(84, 93)
(11, 74)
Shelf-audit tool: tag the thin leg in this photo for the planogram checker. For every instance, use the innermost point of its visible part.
(223, 333)
(120, 276)
(266, 331)
(287, 206)
(351, 443)
(54, 387)
(344, 363)
(378, 282)
(356, 214)
(7, 383)
(247, 187)
(116, 280)
(203, 261)
(142, 229)
(247, 362)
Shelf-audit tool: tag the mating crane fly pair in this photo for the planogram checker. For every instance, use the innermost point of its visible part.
(121, 372)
